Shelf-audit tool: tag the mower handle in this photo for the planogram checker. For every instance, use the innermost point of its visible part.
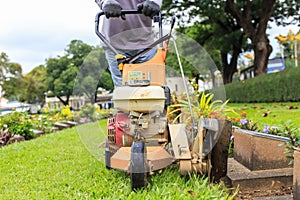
(123, 12)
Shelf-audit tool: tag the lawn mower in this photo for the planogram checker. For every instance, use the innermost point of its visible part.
(140, 140)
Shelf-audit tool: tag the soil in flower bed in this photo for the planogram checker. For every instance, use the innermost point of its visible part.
(286, 192)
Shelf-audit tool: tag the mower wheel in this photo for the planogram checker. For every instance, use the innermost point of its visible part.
(138, 166)
(185, 167)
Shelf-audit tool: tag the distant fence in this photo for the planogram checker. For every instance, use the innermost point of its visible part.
(274, 65)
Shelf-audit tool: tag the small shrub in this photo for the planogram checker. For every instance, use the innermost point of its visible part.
(277, 87)
(88, 113)
(293, 133)
(18, 123)
(5, 135)
(248, 124)
(202, 105)
(43, 122)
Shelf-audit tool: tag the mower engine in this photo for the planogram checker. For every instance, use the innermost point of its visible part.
(141, 115)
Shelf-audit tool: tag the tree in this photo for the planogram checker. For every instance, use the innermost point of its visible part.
(224, 42)
(253, 17)
(106, 81)
(29, 88)
(62, 71)
(93, 74)
(13, 89)
(217, 32)
(286, 12)
(10, 72)
(7, 68)
(35, 85)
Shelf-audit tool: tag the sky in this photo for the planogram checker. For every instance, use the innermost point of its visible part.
(275, 31)
(32, 31)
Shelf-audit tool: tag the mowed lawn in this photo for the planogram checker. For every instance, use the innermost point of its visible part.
(272, 114)
(68, 164)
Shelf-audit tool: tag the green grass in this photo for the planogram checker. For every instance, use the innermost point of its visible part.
(69, 165)
(278, 113)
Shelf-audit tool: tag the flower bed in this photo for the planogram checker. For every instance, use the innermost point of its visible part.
(259, 151)
(20, 126)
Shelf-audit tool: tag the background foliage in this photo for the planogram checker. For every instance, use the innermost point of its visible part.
(278, 87)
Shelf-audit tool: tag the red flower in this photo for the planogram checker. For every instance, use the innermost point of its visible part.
(243, 114)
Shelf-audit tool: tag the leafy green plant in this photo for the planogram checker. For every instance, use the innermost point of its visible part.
(293, 133)
(5, 135)
(273, 130)
(202, 105)
(173, 111)
(18, 123)
(248, 125)
(43, 122)
(254, 126)
(87, 112)
(90, 113)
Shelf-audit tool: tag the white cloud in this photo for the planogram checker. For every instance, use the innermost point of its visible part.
(34, 30)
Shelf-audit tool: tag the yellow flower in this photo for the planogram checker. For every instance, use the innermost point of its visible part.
(281, 38)
(66, 112)
(290, 36)
(46, 109)
(297, 37)
(249, 56)
(98, 109)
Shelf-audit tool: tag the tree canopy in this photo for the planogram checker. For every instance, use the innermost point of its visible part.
(35, 85)
(92, 74)
(10, 72)
(80, 71)
(62, 70)
(231, 23)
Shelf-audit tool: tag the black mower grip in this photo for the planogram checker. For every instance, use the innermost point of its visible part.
(101, 36)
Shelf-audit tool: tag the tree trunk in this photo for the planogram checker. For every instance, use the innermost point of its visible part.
(93, 98)
(262, 51)
(255, 29)
(213, 78)
(230, 68)
(228, 73)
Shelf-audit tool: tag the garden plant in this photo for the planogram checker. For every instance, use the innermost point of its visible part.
(23, 124)
(271, 118)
